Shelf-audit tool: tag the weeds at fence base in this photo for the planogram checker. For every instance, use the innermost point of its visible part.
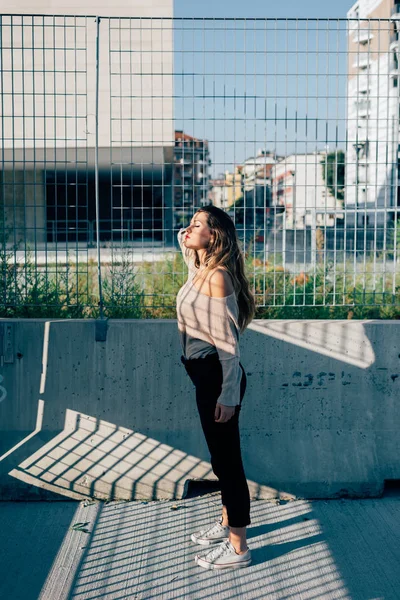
(71, 292)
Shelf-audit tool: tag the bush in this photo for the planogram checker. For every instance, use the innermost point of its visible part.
(72, 291)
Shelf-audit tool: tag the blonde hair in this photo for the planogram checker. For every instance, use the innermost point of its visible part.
(224, 251)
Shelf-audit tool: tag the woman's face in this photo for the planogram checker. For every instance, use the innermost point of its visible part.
(198, 234)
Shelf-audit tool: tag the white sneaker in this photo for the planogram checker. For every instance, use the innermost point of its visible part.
(211, 535)
(223, 556)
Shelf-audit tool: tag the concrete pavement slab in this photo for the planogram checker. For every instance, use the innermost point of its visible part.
(347, 549)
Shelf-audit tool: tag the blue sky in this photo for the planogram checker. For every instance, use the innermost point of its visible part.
(247, 85)
(262, 8)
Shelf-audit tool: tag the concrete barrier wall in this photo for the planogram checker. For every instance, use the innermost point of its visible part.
(117, 418)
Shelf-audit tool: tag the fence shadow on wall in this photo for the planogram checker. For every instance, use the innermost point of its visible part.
(114, 422)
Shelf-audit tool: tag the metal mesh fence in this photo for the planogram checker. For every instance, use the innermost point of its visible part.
(114, 131)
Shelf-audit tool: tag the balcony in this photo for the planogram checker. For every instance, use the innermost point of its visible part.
(394, 40)
(393, 68)
(361, 148)
(362, 107)
(362, 36)
(362, 139)
(363, 85)
(396, 12)
(362, 62)
(361, 180)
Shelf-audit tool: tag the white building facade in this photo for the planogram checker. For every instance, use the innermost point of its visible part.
(62, 101)
(372, 113)
(300, 195)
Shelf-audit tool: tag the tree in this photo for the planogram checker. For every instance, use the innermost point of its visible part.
(333, 170)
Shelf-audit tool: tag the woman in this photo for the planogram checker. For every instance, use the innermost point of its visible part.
(213, 307)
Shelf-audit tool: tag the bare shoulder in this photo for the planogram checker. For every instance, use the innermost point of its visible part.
(220, 283)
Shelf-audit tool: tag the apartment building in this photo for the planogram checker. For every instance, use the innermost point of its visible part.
(257, 176)
(191, 179)
(227, 188)
(299, 192)
(233, 185)
(372, 113)
(51, 140)
(218, 194)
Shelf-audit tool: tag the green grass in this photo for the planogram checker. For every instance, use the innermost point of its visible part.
(71, 290)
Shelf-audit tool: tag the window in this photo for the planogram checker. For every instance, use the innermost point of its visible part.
(395, 60)
(365, 220)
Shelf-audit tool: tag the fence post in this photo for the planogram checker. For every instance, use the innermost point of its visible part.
(96, 175)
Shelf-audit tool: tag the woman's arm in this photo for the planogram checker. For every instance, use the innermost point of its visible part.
(224, 333)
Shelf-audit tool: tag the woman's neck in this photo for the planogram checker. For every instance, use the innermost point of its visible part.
(201, 254)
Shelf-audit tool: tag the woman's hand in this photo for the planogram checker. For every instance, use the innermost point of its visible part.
(223, 413)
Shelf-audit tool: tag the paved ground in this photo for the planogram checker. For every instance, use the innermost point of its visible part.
(301, 550)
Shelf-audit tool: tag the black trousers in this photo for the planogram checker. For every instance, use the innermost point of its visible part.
(223, 439)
